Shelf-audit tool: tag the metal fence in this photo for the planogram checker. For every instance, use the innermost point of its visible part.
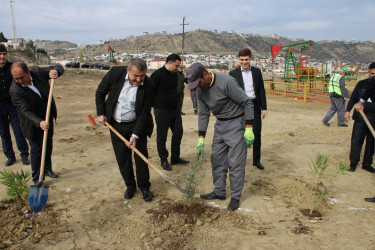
(315, 91)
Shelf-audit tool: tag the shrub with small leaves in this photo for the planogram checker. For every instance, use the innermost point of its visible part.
(16, 183)
(319, 170)
(195, 176)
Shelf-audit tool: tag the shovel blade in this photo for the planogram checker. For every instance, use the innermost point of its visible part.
(38, 196)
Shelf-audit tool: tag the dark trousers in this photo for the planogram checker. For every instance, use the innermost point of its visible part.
(36, 145)
(180, 100)
(124, 156)
(360, 132)
(165, 120)
(257, 129)
(8, 115)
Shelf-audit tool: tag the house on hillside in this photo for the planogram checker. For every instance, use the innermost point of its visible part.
(16, 43)
(156, 63)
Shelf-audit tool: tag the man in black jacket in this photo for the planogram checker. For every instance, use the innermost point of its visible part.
(167, 112)
(8, 115)
(360, 129)
(128, 110)
(250, 79)
(29, 93)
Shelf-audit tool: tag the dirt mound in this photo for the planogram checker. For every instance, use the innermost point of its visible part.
(22, 227)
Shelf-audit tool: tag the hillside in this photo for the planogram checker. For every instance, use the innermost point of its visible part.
(209, 42)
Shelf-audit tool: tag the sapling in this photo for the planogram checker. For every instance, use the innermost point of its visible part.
(16, 183)
(320, 172)
(195, 176)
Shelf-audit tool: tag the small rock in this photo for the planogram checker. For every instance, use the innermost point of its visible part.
(158, 241)
(142, 236)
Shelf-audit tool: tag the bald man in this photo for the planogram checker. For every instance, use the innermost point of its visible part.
(29, 93)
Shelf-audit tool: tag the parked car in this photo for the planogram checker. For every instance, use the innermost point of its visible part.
(72, 65)
(86, 65)
(99, 66)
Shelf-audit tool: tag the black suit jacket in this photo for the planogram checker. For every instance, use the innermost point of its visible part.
(23, 99)
(260, 93)
(111, 85)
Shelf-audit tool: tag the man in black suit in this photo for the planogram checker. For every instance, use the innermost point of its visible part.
(167, 112)
(29, 93)
(128, 109)
(250, 79)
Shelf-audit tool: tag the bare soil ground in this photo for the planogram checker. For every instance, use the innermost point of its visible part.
(86, 208)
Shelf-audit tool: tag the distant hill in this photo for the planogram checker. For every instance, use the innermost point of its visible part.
(210, 42)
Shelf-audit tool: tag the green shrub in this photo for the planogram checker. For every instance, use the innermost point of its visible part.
(195, 176)
(16, 183)
(320, 172)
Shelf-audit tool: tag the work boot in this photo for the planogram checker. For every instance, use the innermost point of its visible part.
(233, 204)
(326, 123)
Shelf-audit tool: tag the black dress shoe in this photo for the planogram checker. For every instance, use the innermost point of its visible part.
(25, 161)
(10, 161)
(212, 196)
(179, 161)
(369, 168)
(129, 193)
(51, 174)
(370, 199)
(166, 165)
(258, 165)
(182, 113)
(352, 169)
(233, 204)
(147, 195)
(343, 125)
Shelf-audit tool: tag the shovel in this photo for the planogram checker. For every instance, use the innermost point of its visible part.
(367, 122)
(38, 194)
(179, 188)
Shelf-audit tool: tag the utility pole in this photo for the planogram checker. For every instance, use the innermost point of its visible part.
(183, 39)
(13, 21)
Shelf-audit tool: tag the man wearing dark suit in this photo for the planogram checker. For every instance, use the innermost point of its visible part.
(128, 109)
(167, 112)
(29, 93)
(9, 116)
(250, 79)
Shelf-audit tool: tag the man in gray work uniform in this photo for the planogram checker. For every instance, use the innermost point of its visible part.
(220, 94)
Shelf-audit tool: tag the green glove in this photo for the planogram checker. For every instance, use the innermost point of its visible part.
(200, 146)
(249, 136)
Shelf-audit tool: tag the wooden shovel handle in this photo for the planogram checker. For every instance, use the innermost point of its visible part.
(367, 122)
(45, 135)
(146, 160)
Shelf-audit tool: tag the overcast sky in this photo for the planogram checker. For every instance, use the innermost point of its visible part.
(88, 21)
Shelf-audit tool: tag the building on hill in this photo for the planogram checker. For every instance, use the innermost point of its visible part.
(156, 63)
(16, 43)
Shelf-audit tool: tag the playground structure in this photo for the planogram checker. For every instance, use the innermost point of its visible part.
(301, 82)
(295, 68)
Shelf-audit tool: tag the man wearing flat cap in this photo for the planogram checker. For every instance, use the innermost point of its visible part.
(234, 111)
